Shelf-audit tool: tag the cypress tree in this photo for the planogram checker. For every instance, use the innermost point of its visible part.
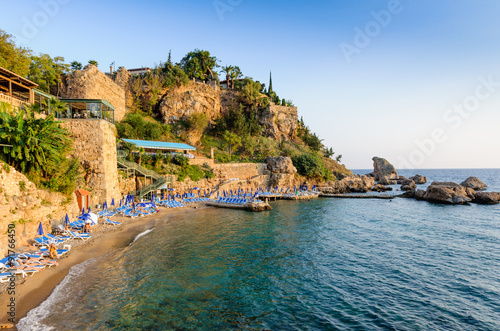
(270, 83)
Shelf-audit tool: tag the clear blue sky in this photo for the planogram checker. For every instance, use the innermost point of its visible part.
(405, 80)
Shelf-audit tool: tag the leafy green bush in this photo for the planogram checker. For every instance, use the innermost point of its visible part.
(135, 126)
(181, 160)
(194, 172)
(311, 166)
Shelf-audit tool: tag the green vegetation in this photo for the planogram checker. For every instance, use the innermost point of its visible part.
(39, 149)
(199, 64)
(12, 57)
(238, 135)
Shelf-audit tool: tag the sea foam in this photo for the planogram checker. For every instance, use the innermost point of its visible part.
(34, 318)
(141, 234)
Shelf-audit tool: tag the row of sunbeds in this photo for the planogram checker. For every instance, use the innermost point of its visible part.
(235, 201)
(28, 264)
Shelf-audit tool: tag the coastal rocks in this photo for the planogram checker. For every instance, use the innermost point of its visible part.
(382, 168)
(474, 183)
(281, 164)
(486, 198)
(358, 184)
(381, 188)
(419, 194)
(408, 185)
(257, 206)
(386, 181)
(448, 193)
(350, 184)
(419, 179)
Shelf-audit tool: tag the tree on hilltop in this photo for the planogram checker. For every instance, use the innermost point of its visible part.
(199, 64)
(12, 57)
(75, 65)
(94, 62)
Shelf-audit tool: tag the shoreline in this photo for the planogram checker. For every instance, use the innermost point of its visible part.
(33, 290)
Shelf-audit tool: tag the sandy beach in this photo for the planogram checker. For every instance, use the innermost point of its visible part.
(33, 290)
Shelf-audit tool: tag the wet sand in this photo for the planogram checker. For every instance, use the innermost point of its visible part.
(33, 290)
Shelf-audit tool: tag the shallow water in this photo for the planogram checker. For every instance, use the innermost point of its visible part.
(324, 264)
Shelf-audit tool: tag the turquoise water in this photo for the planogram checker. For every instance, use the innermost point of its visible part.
(326, 264)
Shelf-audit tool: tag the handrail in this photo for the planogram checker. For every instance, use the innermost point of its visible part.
(132, 165)
(159, 180)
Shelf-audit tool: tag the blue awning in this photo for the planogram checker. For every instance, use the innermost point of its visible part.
(159, 144)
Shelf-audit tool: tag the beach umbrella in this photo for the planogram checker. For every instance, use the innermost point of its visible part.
(89, 209)
(104, 205)
(113, 202)
(120, 202)
(133, 205)
(224, 191)
(83, 210)
(66, 220)
(40, 229)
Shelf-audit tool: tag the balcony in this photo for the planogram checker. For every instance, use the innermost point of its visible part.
(15, 102)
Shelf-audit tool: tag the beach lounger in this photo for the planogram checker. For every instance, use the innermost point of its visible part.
(76, 235)
(110, 222)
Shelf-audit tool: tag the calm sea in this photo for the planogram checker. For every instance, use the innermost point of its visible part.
(325, 264)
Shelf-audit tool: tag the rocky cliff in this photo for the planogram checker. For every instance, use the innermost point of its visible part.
(182, 102)
(25, 206)
(90, 83)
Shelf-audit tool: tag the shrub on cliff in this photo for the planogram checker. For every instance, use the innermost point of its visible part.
(311, 166)
(135, 126)
(38, 147)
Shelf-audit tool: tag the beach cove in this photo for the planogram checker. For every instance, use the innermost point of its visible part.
(323, 264)
(33, 290)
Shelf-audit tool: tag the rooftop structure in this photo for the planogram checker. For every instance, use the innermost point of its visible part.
(14, 89)
(149, 145)
(139, 71)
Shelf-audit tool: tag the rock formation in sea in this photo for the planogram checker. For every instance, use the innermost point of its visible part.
(474, 183)
(419, 179)
(382, 168)
(381, 188)
(448, 193)
(486, 198)
(408, 185)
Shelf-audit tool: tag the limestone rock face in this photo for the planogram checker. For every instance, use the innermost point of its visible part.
(486, 198)
(474, 183)
(350, 184)
(419, 179)
(180, 103)
(23, 204)
(448, 193)
(408, 185)
(382, 168)
(381, 188)
(280, 164)
(91, 83)
(279, 122)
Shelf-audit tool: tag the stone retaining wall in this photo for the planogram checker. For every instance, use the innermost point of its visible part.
(95, 146)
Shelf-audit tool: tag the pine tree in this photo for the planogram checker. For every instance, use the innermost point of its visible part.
(169, 61)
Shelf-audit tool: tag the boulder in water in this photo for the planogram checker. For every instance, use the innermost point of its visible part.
(382, 168)
(447, 193)
(408, 185)
(486, 198)
(419, 179)
(474, 183)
